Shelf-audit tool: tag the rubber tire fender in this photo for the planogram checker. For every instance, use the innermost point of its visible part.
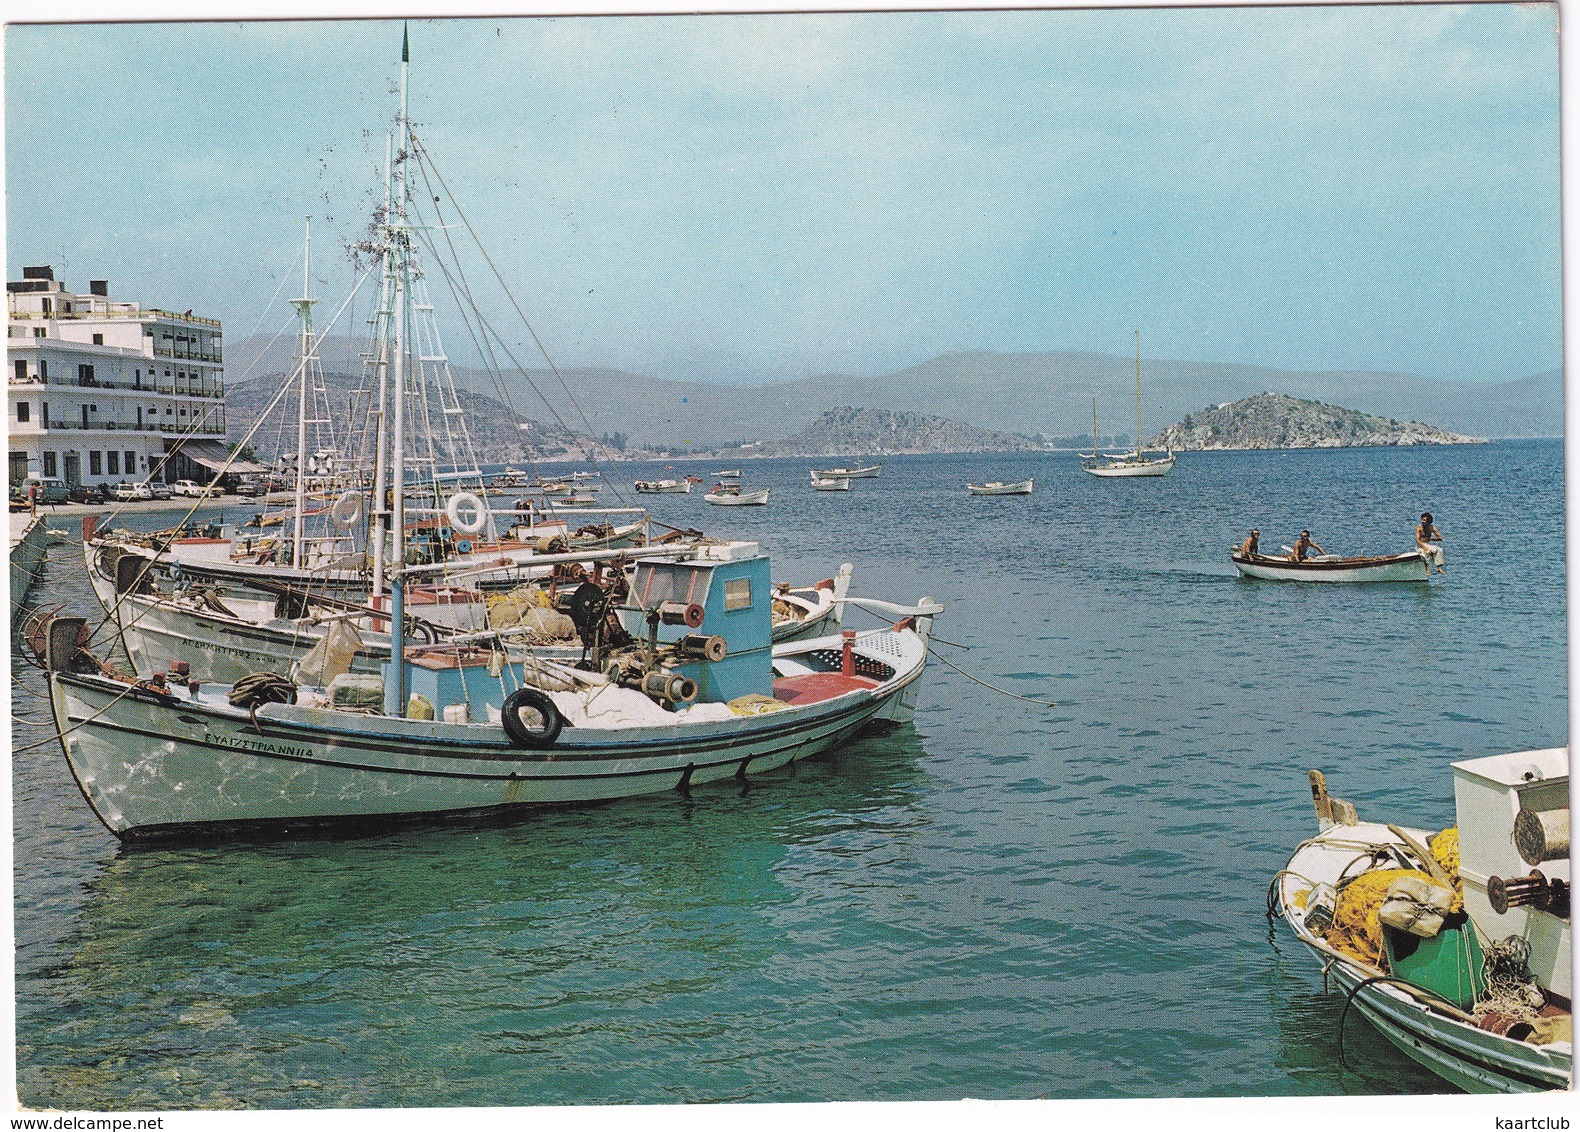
(522, 735)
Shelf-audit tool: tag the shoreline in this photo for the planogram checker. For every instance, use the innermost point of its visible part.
(143, 506)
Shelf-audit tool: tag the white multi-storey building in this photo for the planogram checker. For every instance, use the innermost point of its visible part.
(103, 391)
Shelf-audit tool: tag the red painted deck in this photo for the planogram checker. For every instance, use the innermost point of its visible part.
(816, 686)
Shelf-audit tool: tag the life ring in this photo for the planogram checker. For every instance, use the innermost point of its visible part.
(524, 734)
(463, 546)
(347, 511)
(463, 502)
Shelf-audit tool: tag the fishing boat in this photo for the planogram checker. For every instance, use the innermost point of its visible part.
(730, 474)
(1136, 462)
(731, 495)
(702, 694)
(1455, 946)
(830, 483)
(867, 473)
(803, 612)
(998, 487)
(663, 487)
(1411, 567)
(683, 683)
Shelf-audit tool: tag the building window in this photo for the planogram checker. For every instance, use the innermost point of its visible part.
(49, 306)
(85, 416)
(43, 414)
(21, 369)
(43, 371)
(18, 469)
(95, 463)
(98, 339)
(49, 465)
(84, 375)
(137, 379)
(115, 462)
(23, 412)
(40, 332)
(131, 463)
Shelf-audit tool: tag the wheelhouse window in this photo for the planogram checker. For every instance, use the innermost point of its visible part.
(737, 594)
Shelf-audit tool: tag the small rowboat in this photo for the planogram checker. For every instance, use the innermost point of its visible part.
(868, 473)
(831, 483)
(730, 474)
(995, 487)
(1412, 567)
(728, 495)
(662, 487)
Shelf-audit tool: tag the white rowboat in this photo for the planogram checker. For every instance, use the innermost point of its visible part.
(867, 473)
(831, 483)
(1412, 567)
(996, 487)
(726, 496)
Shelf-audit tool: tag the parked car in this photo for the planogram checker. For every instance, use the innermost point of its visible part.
(43, 489)
(130, 492)
(87, 493)
(160, 490)
(187, 488)
(249, 485)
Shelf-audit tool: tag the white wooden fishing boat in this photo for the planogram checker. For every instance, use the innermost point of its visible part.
(998, 487)
(1136, 462)
(705, 695)
(1411, 567)
(29, 545)
(729, 474)
(730, 495)
(803, 612)
(663, 487)
(830, 483)
(868, 473)
(1469, 970)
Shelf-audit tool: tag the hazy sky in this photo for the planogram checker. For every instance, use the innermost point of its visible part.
(737, 198)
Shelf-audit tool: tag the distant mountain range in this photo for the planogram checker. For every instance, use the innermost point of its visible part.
(1273, 420)
(1046, 393)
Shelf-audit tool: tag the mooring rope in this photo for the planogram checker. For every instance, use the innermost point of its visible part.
(991, 687)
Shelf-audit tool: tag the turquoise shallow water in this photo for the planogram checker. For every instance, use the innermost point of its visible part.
(1001, 901)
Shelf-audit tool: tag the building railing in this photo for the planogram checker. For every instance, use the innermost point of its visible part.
(150, 312)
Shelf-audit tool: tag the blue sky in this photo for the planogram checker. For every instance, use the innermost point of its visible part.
(745, 198)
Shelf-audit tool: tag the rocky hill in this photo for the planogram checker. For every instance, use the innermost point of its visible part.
(1276, 420)
(848, 431)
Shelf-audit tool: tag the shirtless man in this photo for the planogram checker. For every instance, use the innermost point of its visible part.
(1248, 547)
(1424, 536)
(1304, 545)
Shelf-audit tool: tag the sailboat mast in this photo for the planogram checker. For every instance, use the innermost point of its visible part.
(380, 435)
(304, 308)
(395, 680)
(1138, 394)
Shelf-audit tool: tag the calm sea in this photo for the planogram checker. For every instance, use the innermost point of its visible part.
(1002, 901)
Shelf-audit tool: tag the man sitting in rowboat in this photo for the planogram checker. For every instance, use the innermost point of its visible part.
(1424, 534)
(1303, 546)
(1248, 547)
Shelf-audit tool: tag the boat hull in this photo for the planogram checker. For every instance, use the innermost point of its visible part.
(152, 765)
(1022, 488)
(1411, 567)
(1126, 469)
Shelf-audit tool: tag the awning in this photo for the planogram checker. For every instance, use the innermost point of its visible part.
(214, 455)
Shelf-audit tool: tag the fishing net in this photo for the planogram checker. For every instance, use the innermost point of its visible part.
(1356, 930)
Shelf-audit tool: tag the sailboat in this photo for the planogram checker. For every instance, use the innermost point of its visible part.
(683, 682)
(1135, 462)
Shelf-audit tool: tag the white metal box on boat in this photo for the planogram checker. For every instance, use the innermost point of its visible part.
(1488, 794)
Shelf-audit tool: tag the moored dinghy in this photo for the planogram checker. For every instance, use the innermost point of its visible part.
(998, 487)
(1446, 943)
(830, 483)
(731, 495)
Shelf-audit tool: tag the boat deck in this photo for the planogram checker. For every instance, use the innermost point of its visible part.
(814, 687)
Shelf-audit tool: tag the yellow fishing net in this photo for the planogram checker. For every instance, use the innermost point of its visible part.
(755, 704)
(1355, 929)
